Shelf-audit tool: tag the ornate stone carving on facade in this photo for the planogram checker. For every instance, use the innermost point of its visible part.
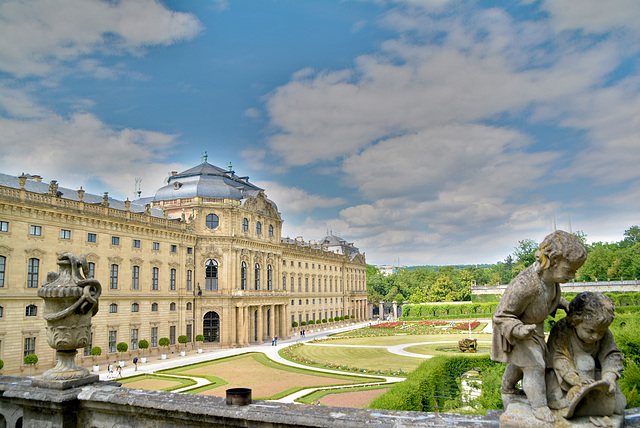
(35, 253)
(70, 302)
(136, 261)
(92, 257)
(174, 265)
(4, 250)
(105, 199)
(155, 263)
(53, 188)
(115, 260)
(210, 252)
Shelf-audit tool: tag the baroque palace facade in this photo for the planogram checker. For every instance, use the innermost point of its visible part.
(203, 256)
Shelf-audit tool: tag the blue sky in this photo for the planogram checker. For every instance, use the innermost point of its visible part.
(424, 131)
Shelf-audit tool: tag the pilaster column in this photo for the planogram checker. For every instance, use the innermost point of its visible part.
(259, 329)
(245, 325)
(272, 320)
(381, 311)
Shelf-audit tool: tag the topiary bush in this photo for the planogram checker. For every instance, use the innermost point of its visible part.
(302, 324)
(122, 347)
(1, 364)
(294, 324)
(143, 344)
(30, 359)
(183, 339)
(95, 352)
(164, 341)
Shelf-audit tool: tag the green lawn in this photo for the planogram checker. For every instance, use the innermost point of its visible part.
(398, 340)
(364, 358)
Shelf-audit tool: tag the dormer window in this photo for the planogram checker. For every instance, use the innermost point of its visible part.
(177, 185)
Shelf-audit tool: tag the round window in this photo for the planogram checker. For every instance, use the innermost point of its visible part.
(212, 221)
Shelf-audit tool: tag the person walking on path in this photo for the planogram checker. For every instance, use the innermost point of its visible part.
(119, 371)
(135, 363)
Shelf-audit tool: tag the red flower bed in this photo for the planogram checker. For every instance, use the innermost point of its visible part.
(434, 322)
(466, 326)
(387, 324)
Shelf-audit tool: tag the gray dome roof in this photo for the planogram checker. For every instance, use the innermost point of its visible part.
(209, 181)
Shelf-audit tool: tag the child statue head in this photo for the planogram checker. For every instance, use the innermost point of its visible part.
(562, 251)
(590, 314)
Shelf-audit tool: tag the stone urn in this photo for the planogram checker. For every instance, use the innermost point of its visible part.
(70, 300)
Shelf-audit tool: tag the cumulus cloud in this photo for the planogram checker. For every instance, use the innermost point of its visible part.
(82, 148)
(293, 200)
(39, 35)
(594, 15)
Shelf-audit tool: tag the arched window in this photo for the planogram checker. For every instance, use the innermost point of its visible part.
(245, 225)
(113, 277)
(32, 311)
(188, 306)
(258, 227)
(92, 270)
(172, 279)
(135, 307)
(3, 264)
(211, 327)
(154, 307)
(113, 308)
(269, 278)
(135, 278)
(32, 273)
(211, 276)
(172, 306)
(257, 276)
(243, 276)
(270, 231)
(155, 272)
(212, 221)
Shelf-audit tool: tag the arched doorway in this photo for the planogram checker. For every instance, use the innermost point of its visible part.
(211, 327)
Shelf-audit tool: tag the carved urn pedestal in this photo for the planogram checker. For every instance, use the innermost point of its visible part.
(70, 302)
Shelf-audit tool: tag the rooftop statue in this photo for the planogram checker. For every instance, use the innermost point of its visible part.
(70, 302)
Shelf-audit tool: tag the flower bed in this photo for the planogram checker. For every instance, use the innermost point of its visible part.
(388, 324)
(467, 326)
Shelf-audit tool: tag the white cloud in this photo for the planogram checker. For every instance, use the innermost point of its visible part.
(81, 148)
(594, 16)
(39, 35)
(293, 200)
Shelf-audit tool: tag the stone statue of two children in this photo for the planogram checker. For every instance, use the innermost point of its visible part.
(575, 373)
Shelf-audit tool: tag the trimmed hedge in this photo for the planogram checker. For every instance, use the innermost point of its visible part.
(417, 392)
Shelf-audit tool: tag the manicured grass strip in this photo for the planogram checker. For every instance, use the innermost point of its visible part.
(187, 370)
(317, 395)
(363, 360)
(181, 382)
(401, 339)
(483, 348)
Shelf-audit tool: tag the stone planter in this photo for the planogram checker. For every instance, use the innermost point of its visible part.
(121, 363)
(199, 350)
(143, 360)
(96, 368)
(163, 356)
(183, 353)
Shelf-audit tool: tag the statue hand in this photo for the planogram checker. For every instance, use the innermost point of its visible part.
(585, 381)
(524, 331)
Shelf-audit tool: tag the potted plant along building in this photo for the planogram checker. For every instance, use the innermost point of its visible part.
(121, 348)
(200, 340)
(143, 344)
(30, 360)
(183, 340)
(96, 351)
(164, 342)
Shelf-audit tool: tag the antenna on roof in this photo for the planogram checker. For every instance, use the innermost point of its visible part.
(230, 167)
(137, 187)
(204, 156)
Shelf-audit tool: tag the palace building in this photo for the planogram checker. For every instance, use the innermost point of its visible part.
(203, 256)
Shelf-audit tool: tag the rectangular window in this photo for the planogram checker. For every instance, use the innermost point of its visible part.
(32, 273)
(156, 246)
(154, 278)
(29, 346)
(174, 248)
(31, 311)
(172, 280)
(36, 230)
(154, 337)
(189, 332)
(113, 338)
(189, 279)
(306, 285)
(65, 234)
(172, 334)
(3, 267)
(113, 278)
(189, 250)
(92, 270)
(299, 285)
(136, 243)
(292, 284)
(134, 339)
(4, 226)
(91, 237)
(135, 278)
(115, 240)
